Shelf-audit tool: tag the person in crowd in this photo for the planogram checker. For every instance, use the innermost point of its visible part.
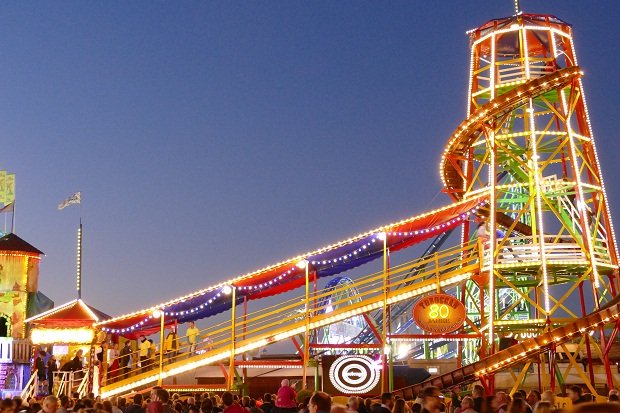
(52, 367)
(122, 404)
(245, 403)
(39, 369)
(113, 363)
(285, 399)
(479, 397)
(65, 404)
(217, 403)
(500, 402)
(548, 396)
(467, 406)
(161, 395)
(193, 335)
(353, 405)
(533, 398)
(124, 360)
(575, 393)
(50, 404)
(107, 406)
(543, 407)
(206, 406)
(267, 406)
(155, 407)
(520, 394)
(7, 406)
(386, 404)
(431, 400)
(400, 406)
(230, 406)
(518, 405)
(144, 346)
(136, 406)
(171, 345)
(320, 403)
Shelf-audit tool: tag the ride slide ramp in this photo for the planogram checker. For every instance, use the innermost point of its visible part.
(517, 354)
(247, 333)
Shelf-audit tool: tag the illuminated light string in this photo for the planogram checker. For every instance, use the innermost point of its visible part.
(279, 278)
(290, 261)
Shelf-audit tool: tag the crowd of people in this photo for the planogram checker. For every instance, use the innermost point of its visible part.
(429, 400)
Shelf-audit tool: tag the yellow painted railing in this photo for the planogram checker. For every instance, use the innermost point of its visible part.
(287, 319)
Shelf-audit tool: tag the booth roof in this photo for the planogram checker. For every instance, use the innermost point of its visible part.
(11, 242)
(75, 313)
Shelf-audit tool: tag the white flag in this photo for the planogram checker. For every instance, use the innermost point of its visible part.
(73, 199)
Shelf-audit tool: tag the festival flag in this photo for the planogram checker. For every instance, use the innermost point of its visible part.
(8, 208)
(2, 187)
(9, 187)
(73, 199)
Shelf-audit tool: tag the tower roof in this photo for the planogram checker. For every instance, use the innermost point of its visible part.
(11, 242)
(529, 19)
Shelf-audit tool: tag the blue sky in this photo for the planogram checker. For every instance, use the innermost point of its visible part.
(213, 138)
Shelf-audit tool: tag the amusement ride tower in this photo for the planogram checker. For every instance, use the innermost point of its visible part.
(547, 242)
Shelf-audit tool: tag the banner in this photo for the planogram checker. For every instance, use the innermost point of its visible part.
(2, 187)
(9, 194)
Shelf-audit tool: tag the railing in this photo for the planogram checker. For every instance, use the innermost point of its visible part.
(14, 350)
(272, 324)
(30, 389)
(514, 70)
(67, 380)
(525, 250)
(83, 387)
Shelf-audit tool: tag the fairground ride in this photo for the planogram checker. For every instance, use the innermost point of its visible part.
(524, 162)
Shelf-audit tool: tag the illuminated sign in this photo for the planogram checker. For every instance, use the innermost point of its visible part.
(355, 374)
(439, 314)
(78, 335)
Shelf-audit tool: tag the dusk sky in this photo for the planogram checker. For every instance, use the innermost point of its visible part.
(213, 138)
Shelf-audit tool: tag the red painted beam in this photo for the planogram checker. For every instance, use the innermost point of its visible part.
(328, 346)
(434, 336)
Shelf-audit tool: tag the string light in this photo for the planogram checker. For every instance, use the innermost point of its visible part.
(290, 263)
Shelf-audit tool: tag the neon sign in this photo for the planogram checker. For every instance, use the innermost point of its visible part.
(355, 374)
(439, 314)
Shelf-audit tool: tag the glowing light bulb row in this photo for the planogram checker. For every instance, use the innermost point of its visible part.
(348, 256)
(150, 317)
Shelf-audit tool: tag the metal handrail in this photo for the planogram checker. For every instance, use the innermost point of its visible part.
(264, 327)
(31, 387)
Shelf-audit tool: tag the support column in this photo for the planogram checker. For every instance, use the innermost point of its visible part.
(384, 330)
(306, 356)
(231, 368)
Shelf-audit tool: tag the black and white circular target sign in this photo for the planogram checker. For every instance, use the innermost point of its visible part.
(354, 374)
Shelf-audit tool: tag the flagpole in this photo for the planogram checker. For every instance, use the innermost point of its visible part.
(13, 219)
(79, 261)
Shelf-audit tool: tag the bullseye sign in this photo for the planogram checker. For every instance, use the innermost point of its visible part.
(439, 314)
(354, 374)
